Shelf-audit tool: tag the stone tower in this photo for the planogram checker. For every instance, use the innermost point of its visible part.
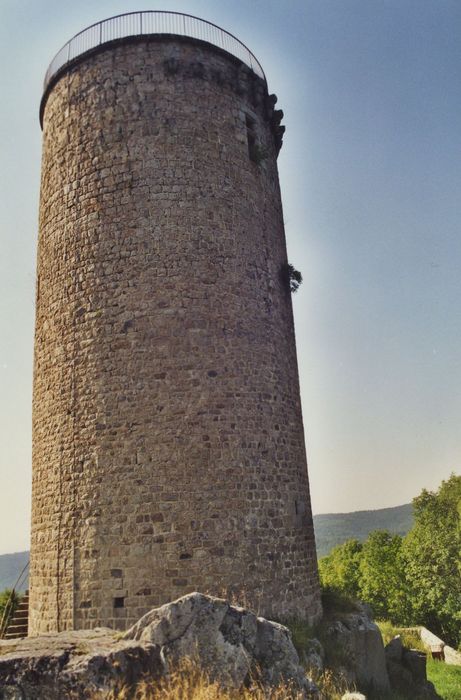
(168, 446)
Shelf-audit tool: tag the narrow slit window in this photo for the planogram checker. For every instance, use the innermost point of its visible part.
(251, 136)
(119, 602)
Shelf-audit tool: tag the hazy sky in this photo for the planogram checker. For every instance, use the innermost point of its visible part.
(371, 178)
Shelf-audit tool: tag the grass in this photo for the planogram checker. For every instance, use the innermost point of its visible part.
(447, 679)
(410, 639)
(301, 635)
(388, 630)
(331, 682)
(189, 682)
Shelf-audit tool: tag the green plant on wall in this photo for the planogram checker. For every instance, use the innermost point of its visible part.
(291, 277)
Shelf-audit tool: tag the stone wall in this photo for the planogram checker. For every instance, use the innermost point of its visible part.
(168, 447)
(434, 643)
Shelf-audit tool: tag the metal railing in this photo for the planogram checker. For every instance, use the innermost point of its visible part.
(143, 24)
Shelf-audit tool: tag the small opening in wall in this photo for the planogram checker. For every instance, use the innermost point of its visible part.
(119, 602)
(251, 135)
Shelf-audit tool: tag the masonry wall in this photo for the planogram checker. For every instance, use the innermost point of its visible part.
(168, 448)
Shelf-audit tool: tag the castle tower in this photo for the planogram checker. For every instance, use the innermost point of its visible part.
(168, 447)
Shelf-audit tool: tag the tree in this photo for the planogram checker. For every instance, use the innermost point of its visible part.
(340, 569)
(414, 580)
(382, 580)
(432, 558)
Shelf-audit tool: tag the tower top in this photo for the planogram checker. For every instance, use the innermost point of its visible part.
(144, 24)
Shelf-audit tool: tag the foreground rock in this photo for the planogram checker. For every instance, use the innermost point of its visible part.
(230, 643)
(359, 641)
(73, 664)
(407, 670)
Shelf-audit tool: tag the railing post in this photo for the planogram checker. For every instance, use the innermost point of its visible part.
(140, 22)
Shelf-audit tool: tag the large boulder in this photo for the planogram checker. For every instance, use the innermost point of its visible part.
(73, 664)
(360, 643)
(231, 644)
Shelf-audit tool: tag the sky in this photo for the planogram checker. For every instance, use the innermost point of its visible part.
(371, 186)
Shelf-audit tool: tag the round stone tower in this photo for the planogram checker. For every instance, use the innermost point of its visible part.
(168, 447)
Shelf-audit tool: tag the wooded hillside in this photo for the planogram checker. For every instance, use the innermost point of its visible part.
(332, 529)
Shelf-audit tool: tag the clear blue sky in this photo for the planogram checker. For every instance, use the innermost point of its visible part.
(371, 178)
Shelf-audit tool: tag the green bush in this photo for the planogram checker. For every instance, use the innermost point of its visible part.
(340, 570)
(432, 560)
(8, 603)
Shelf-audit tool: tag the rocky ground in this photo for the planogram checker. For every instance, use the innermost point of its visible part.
(231, 644)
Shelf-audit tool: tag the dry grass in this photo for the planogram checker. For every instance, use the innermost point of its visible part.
(332, 684)
(189, 682)
(7, 648)
(237, 597)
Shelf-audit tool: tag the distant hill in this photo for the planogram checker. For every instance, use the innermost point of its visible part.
(11, 566)
(335, 528)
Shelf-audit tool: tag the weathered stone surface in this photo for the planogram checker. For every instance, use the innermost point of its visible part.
(361, 640)
(229, 642)
(168, 446)
(353, 696)
(415, 661)
(452, 656)
(73, 664)
(437, 645)
(394, 649)
(407, 670)
(314, 655)
(403, 681)
(233, 645)
(399, 676)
